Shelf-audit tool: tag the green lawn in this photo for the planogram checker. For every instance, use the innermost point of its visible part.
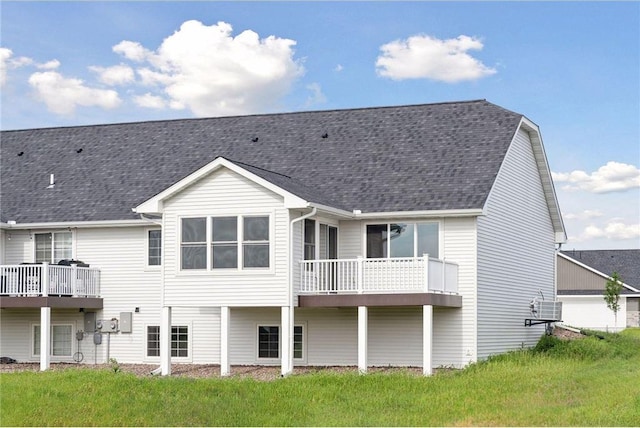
(590, 382)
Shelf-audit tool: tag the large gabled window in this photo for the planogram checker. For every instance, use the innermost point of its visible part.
(225, 242)
(402, 240)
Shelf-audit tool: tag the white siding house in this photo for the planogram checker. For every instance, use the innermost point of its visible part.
(365, 237)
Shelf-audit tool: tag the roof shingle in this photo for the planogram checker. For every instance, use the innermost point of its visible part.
(409, 158)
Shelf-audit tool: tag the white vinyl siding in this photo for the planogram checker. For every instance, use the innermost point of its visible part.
(225, 193)
(516, 253)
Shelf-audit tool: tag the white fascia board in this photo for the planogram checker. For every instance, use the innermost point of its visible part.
(597, 272)
(334, 211)
(76, 224)
(154, 205)
(546, 179)
(472, 212)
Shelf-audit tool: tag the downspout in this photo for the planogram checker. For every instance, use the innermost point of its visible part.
(159, 222)
(290, 288)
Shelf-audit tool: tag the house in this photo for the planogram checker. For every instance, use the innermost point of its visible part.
(368, 237)
(582, 278)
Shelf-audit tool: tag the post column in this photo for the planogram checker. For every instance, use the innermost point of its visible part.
(362, 338)
(225, 366)
(165, 341)
(427, 339)
(45, 338)
(286, 340)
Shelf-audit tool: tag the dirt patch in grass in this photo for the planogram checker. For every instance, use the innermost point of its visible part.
(263, 373)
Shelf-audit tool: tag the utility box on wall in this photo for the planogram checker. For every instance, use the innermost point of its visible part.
(89, 322)
(125, 322)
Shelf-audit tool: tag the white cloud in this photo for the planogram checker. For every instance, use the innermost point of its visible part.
(316, 97)
(149, 100)
(426, 57)
(116, 75)
(49, 65)
(612, 177)
(207, 70)
(132, 50)
(62, 95)
(7, 61)
(613, 230)
(338, 68)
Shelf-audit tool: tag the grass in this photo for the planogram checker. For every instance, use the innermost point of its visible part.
(588, 382)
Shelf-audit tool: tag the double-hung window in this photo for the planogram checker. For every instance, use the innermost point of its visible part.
(53, 247)
(402, 240)
(226, 242)
(154, 249)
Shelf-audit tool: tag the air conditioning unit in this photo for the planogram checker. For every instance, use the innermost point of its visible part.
(107, 326)
(546, 310)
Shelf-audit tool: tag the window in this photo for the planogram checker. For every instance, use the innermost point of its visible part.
(255, 244)
(269, 342)
(225, 242)
(309, 239)
(402, 240)
(61, 340)
(179, 341)
(234, 241)
(154, 254)
(193, 248)
(53, 247)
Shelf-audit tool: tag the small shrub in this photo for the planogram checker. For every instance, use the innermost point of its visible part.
(546, 343)
(115, 366)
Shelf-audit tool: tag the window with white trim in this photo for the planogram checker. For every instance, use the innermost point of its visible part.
(53, 246)
(154, 247)
(309, 239)
(225, 242)
(61, 340)
(269, 342)
(179, 341)
(402, 240)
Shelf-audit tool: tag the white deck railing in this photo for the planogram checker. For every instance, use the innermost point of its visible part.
(392, 275)
(49, 280)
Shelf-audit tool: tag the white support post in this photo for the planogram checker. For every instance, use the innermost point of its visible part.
(362, 338)
(165, 341)
(225, 366)
(45, 338)
(286, 340)
(44, 284)
(427, 339)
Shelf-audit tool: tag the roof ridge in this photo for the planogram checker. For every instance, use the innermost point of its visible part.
(188, 119)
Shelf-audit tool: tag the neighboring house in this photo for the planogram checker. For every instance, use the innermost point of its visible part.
(369, 237)
(582, 278)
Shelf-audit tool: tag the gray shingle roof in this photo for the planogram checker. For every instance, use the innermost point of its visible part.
(422, 157)
(625, 262)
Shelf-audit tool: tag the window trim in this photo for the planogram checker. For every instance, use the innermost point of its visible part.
(263, 360)
(72, 325)
(148, 240)
(240, 269)
(151, 358)
(415, 241)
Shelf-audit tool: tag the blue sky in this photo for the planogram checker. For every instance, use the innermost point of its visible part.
(571, 67)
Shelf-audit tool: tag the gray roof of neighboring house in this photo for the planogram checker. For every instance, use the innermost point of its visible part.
(625, 262)
(408, 158)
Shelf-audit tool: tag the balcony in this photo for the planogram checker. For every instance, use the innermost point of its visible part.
(38, 285)
(387, 282)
